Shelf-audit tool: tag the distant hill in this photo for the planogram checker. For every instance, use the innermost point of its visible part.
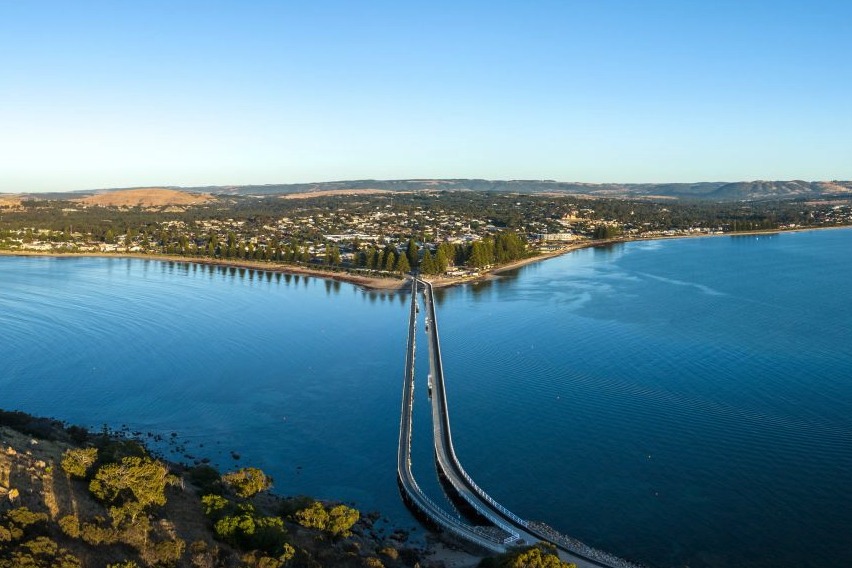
(10, 202)
(754, 190)
(145, 197)
(712, 191)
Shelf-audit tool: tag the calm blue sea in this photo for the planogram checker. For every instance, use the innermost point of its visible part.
(680, 403)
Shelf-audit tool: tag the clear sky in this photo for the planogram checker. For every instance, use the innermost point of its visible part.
(146, 92)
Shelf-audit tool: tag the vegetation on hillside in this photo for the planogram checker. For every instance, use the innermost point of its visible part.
(71, 499)
(537, 556)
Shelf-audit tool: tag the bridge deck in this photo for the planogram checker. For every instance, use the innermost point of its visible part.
(523, 532)
(413, 495)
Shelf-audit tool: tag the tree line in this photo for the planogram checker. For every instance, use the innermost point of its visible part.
(504, 247)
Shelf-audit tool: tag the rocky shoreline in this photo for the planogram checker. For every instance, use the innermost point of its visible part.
(32, 479)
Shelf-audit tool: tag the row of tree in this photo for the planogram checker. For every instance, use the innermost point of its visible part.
(504, 247)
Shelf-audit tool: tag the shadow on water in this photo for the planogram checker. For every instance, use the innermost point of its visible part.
(251, 274)
(372, 295)
(481, 288)
(607, 249)
(752, 236)
(751, 240)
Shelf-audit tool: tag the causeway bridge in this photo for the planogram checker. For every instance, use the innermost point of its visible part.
(425, 508)
(494, 528)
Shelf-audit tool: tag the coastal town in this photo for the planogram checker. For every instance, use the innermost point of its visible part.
(377, 234)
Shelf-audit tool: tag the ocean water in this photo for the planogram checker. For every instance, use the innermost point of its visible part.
(679, 403)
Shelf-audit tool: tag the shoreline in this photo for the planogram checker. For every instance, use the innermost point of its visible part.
(379, 284)
(366, 282)
(36, 443)
(447, 555)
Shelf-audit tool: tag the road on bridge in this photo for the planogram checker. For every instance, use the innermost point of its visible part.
(523, 532)
(411, 492)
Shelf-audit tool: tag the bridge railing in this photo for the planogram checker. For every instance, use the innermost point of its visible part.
(454, 524)
(477, 535)
(481, 492)
(446, 418)
(536, 529)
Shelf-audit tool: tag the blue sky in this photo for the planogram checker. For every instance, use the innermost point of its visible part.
(117, 94)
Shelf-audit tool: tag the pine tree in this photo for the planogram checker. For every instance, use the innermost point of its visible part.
(427, 265)
(441, 261)
(411, 252)
(390, 260)
(333, 255)
(402, 265)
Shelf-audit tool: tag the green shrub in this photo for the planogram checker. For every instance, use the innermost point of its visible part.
(313, 517)
(70, 525)
(215, 506)
(340, 519)
(337, 521)
(23, 517)
(231, 528)
(168, 552)
(16, 522)
(247, 530)
(77, 461)
(247, 482)
(260, 560)
(40, 552)
(95, 534)
(132, 486)
(536, 556)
